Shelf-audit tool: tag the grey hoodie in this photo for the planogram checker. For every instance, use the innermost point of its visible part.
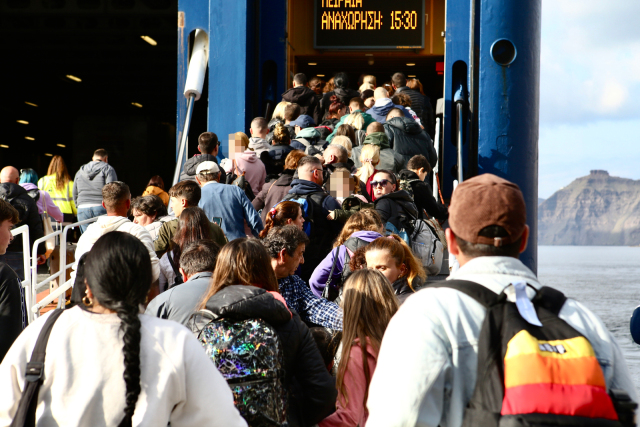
(89, 180)
(258, 145)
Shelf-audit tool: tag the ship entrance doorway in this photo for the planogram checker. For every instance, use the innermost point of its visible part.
(358, 64)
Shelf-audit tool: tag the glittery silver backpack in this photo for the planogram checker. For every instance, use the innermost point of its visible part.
(249, 355)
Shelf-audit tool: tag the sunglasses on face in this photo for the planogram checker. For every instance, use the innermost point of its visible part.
(381, 183)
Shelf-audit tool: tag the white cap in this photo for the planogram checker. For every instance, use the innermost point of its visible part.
(207, 167)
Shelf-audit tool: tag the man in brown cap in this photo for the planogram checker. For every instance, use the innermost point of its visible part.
(427, 366)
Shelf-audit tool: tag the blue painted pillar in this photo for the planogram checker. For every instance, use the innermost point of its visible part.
(509, 100)
(493, 54)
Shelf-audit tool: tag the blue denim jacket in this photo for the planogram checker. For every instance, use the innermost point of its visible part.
(427, 366)
(232, 205)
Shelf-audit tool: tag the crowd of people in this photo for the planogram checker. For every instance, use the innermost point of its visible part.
(285, 284)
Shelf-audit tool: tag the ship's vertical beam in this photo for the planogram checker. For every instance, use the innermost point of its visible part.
(457, 60)
(509, 101)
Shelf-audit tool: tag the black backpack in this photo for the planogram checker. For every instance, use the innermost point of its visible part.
(312, 210)
(333, 288)
(537, 376)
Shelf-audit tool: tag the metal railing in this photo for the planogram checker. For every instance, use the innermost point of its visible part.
(26, 283)
(59, 293)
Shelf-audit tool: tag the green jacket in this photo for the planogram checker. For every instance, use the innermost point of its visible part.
(367, 121)
(168, 230)
(377, 138)
(350, 205)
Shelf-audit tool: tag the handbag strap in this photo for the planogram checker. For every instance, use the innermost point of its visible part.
(34, 376)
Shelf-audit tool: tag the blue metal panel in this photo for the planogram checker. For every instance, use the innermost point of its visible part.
(509, 103)
(228, 85)
(457, 58)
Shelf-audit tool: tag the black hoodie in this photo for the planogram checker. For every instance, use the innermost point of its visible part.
(306, 99)
(311, 389)
(28, 214)
(396, 208)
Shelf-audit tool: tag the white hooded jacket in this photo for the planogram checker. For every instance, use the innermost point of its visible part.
(106, 224)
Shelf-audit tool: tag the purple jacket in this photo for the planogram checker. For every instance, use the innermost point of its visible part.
(44, 201)
(321, 273)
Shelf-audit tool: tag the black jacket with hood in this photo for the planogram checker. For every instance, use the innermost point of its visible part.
(344, 94)
(423, 196)
(189, 170)
(311, 389)
(408, 139)
(396, 208)
(306, 99)
(27, 209)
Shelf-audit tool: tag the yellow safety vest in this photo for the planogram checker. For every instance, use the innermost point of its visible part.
(61, 198)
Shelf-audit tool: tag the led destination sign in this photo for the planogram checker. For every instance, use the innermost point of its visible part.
(369, 24)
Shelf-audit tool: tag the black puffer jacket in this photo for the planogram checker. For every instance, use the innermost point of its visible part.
(306, 99)
(274, 159)
(12, 312)
(28, 214)
(396, 208)
(190, 166)
(407, 138)
(423, 196)
(312, 391)
(402, 290)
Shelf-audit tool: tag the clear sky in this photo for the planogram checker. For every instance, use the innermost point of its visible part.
(589, 90)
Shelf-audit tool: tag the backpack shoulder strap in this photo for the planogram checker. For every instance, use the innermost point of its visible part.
(34, 375)
(476, 291)
(550, 299)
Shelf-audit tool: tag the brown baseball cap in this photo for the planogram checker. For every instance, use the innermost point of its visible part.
(487, 200)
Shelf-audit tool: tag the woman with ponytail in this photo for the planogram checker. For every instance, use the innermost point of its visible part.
(108, 365)
(368, 304)
(284, 213)
(394, 259)
(370, 158)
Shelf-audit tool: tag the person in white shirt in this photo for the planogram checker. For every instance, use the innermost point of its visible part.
(116, 199)
(108, 365)
(428, 362)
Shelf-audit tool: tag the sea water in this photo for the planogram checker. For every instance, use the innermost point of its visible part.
(604, 278)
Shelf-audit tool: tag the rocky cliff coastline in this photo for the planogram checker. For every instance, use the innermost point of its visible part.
(597, 209)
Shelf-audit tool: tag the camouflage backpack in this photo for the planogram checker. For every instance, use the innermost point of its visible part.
(405, 184)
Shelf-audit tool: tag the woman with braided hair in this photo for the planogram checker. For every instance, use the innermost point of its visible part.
(108, 365)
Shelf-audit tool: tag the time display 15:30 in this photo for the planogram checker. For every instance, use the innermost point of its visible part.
(407, 19)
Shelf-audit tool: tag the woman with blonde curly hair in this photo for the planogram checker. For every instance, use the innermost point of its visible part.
(360, 229)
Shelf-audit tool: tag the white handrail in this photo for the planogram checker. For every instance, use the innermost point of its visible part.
(26, 283)
(59, 293)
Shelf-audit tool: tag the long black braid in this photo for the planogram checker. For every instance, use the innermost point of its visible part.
(118, 271)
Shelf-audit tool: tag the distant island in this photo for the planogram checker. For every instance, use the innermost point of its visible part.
(597, 209)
